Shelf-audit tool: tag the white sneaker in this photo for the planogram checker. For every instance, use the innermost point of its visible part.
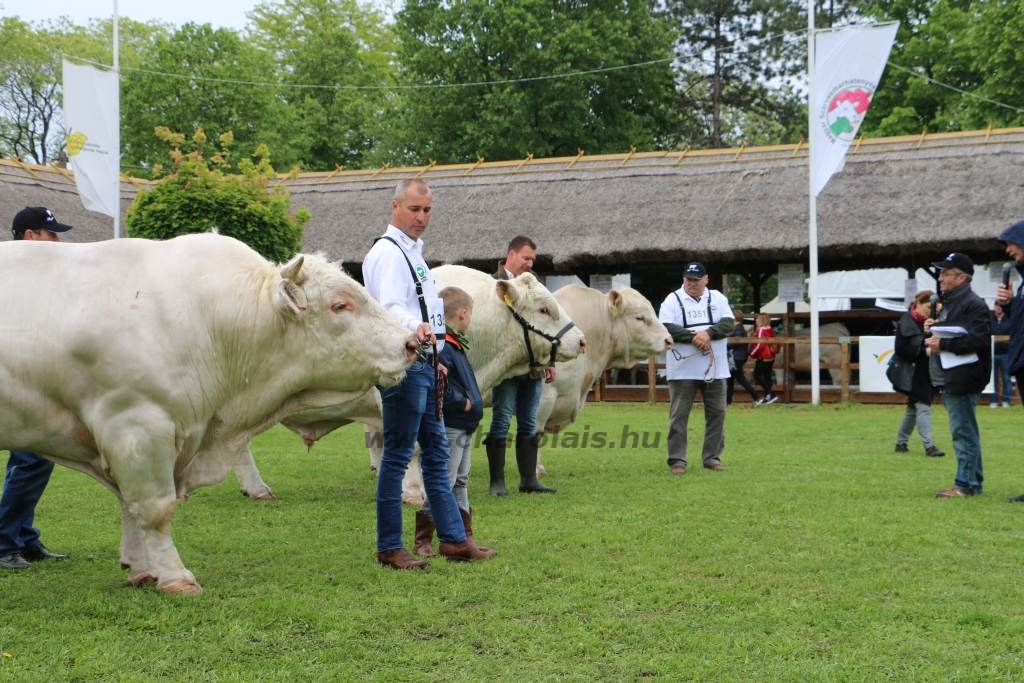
(758, 402)
(993, 405)
(771, 399)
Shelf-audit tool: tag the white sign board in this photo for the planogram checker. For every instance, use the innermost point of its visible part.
(791, 282)
(874, 357)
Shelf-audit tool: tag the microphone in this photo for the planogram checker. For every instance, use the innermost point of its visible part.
(933, 302)
(1007, 267)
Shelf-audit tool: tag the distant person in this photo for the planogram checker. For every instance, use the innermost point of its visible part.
(27, 473)
(1013, 305)
(965, 349)
(764, 353)
(738, 353)
(700, 321)
(909, 346)
(463, 410)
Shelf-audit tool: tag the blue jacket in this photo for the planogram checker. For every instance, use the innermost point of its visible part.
(1015, 308)
(461, 385)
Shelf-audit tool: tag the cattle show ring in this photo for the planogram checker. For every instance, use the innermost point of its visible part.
(176, 373)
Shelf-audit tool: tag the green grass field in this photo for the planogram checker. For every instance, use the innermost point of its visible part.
(820, 555)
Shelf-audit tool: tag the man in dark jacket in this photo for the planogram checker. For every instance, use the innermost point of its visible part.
(1013, 304)
(962, 336)
(1013, 310)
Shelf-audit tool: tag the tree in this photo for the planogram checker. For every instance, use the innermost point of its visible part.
(743, 63)
(475, 41)
(200, 77)
(199, 196)
(343, 56)
(31, 117)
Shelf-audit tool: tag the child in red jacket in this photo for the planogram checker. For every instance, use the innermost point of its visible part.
(764, 355)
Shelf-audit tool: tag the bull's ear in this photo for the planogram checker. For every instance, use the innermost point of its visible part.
(289, 294)
(506, 291)
(615, 301)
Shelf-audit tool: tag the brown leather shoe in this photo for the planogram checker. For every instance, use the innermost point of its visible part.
(467, 551)
(678, 469)
(400, 559)
(717, 467)
(953, 492)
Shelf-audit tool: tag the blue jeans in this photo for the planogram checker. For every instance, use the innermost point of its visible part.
(520, 395)
(963, 425)
(1002, 386)
(409, 418)
(25, 481)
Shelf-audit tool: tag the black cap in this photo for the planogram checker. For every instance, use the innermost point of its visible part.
(36, 218)
(695, 270)
(956, 260)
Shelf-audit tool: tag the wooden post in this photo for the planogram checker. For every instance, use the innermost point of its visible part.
(787, 358)
(844, 393)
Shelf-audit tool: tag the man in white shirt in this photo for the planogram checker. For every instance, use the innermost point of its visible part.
(396, 275)
(700, 321)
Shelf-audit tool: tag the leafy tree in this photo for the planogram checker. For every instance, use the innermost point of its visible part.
(31, 117)
(446, 42)
(198, 196)
(200, 77)
(346, 52)
(742, 64)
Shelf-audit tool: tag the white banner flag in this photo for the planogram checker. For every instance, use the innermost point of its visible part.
(91, 119)
(848, 64)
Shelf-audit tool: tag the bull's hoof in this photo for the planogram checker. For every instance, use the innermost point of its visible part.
(141, 578)
(265, 494)
(541, 472)
(413, 499)
(182, 586)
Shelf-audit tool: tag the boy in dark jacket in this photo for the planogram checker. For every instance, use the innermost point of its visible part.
(966, 369)
(463, 409)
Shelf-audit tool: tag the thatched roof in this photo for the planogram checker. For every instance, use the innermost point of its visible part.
(898, 202)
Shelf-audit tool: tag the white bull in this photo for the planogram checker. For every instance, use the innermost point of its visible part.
(149, 365)
(830, 354)
(497, 351)
(622, 329)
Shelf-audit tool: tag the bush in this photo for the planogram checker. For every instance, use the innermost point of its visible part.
(199, 197)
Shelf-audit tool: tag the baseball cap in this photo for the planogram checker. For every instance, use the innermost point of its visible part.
(36, 218)
(694, 270)
(956, 260)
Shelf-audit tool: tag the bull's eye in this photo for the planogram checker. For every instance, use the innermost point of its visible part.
(545, 311)
(641, 319)
(339, 306)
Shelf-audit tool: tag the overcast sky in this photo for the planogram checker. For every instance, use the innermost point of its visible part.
(220, 13)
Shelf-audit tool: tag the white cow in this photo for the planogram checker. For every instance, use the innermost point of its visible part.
(497, 351)
(622, 329)
(149, 365)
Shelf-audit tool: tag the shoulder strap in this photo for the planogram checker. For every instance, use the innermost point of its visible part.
(415, 280)
(681, 307)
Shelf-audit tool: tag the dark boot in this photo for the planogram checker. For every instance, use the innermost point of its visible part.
(526, 458)
(467, 522)
(423, 541)
(496, 463)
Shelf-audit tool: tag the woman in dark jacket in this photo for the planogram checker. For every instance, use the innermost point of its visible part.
(910, 347)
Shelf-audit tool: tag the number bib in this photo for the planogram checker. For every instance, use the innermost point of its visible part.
(435, 313)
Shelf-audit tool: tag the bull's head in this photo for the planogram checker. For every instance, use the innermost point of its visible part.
(636, 331)
(535, 305)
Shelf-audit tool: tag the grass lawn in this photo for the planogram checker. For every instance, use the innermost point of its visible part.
(819, 555)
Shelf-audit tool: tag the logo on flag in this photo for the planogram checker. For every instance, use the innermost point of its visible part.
(76, 143)
(845, 108)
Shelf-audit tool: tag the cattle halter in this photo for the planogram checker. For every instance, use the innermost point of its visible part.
(555, 339)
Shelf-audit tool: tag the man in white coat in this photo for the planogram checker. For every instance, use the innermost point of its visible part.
(700, 321)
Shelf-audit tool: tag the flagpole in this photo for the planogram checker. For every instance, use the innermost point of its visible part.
(117, 128)
(812, 210)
